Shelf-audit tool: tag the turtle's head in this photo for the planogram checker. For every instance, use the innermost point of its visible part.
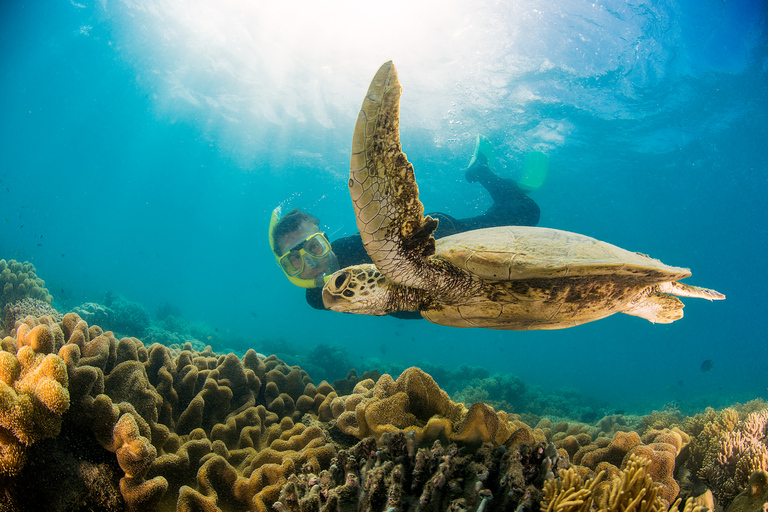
(360, 289)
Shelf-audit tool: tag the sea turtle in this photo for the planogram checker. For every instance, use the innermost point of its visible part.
(508, 277)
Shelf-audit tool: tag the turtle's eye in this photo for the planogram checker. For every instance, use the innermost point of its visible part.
(340, 280)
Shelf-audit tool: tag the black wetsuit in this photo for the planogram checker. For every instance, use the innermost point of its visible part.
(511, 207)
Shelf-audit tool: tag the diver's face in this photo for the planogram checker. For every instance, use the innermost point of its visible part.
(313, 267)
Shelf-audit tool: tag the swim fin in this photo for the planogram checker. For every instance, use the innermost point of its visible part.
(483, 147)
(535, 171)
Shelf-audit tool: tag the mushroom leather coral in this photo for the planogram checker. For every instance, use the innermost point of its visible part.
(414, 402)
(163, 412)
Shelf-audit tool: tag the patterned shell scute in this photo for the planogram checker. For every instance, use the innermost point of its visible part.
(519, 252)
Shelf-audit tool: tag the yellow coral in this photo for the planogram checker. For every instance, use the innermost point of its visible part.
(569, 493)
(631, 490)
(33, 396)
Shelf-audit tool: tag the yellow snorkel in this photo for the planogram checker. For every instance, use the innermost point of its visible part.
(302, 283)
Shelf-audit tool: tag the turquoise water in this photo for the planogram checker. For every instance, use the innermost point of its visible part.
(144, 145)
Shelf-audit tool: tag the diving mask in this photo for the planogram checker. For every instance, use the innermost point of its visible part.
(312, 259)
(307, 254)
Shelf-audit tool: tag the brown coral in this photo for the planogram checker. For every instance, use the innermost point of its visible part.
(755, 497)
(414, 402)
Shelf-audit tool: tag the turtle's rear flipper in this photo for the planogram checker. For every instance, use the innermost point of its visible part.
(685, 290)
(658, 308)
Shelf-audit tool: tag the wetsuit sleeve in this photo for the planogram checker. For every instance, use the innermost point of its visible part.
(350, 251)
(315, 298)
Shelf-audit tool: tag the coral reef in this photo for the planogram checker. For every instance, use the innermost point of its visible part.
(131, 425)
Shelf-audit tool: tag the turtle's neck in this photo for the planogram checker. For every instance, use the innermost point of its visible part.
(448, 284)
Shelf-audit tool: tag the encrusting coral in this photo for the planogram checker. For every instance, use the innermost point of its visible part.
(27, 307)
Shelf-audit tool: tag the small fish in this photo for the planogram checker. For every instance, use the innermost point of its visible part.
(707, 365)
(39, 245)
(62, 255)
(21, 226)
(254, 315)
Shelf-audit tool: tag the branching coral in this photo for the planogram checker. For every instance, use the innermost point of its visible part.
(741, 450)
(632, 489)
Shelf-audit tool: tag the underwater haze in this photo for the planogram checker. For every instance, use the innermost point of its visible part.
(144, 145)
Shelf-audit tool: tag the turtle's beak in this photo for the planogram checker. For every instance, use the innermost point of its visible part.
(333, 297)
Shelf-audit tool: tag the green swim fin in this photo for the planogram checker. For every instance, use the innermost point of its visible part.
(483, 147)
(535, 171)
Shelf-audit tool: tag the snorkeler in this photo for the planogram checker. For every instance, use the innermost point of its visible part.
(307, 257)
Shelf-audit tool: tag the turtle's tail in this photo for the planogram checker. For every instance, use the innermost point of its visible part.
(685, 290)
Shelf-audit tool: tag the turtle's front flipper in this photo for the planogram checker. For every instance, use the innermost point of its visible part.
(390, 216)
(657, 304)
(658, 308)
(686, 290)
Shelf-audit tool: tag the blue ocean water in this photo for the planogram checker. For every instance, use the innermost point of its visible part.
(144, 145)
